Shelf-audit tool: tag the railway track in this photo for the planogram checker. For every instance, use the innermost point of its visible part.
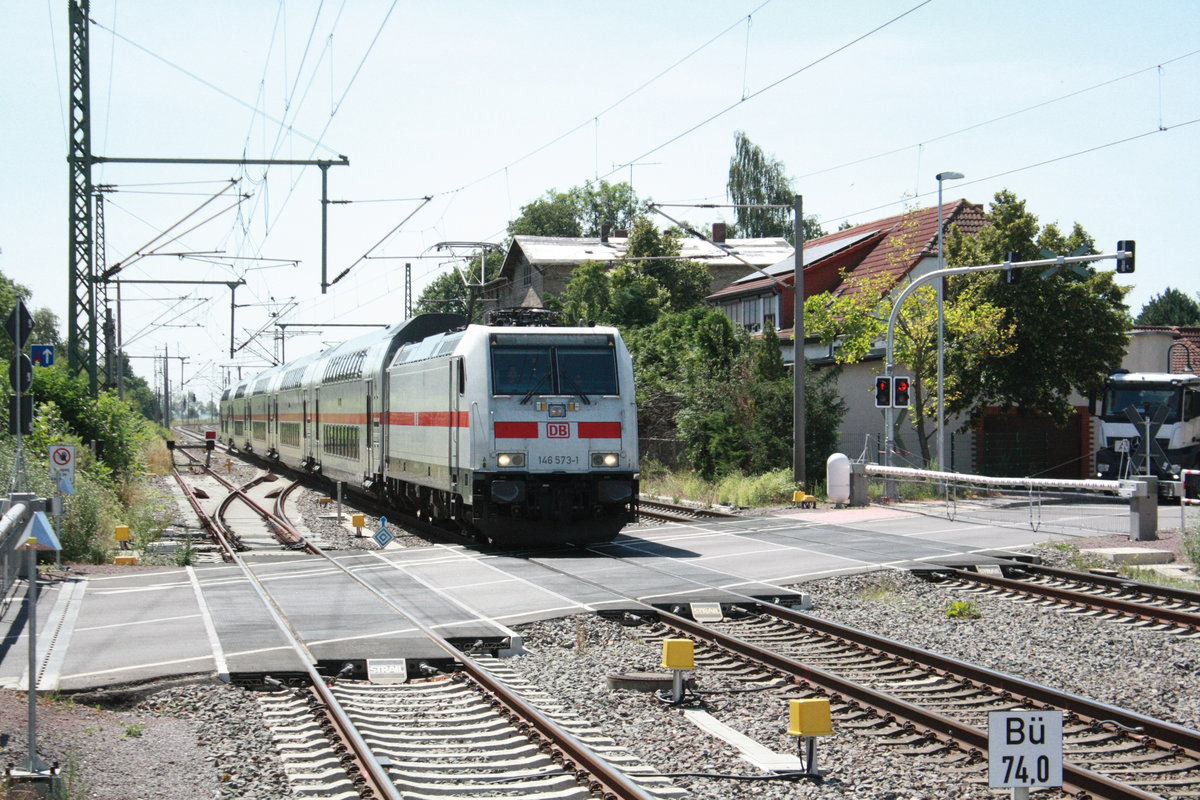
(1176, 611)
(937, 707)
(672, 512)
(346, 739)
(924, 704)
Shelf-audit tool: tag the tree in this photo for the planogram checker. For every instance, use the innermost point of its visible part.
(587, 298)
(579, 211)
(726, 396)
(758, 179)
(45, 323)
(1172, 307)
(685, 282)
(613, 204)
(855, 321)
(636, 291)
(553, 214)
(1068, 331)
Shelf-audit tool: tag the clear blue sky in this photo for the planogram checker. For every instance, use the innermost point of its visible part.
(1088, 109)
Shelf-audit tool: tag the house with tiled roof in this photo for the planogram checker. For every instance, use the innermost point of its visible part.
(898, 248)
(537, 266)
(1175, 348)
(893, 250)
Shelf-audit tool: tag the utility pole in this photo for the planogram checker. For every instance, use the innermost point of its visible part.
(408, 291)
(798, 362)
(81, 311)
(166, 387)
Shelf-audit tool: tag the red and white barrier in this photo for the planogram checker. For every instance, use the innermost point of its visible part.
(1183, 498)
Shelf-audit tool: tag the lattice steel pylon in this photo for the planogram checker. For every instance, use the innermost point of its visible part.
(100, 293)
(81, 312)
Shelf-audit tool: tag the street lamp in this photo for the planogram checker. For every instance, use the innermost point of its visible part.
(941, 295)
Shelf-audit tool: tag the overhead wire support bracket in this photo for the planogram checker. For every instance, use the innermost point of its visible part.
(424, 202)
(324, 165)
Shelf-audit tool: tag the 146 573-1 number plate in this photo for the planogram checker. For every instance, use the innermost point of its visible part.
(558, 461)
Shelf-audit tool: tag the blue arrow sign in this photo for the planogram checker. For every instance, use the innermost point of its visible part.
(42, 355)
(383, 537)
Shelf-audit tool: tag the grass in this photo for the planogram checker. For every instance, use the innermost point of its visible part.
(1076, 559)
(158, 458)
(745, 491)
(1159, 579)
(1191, 544)
(883, 589)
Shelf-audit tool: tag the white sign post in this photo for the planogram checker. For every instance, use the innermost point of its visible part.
(1024, 750)
(62, 467)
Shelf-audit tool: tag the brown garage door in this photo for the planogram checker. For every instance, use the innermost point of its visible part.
(1019, 445)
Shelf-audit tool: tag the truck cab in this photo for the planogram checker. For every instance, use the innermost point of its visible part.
(1165, 405)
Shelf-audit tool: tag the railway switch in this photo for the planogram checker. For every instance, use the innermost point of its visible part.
(809, 719)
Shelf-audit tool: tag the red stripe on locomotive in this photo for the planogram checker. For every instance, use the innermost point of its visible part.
(599, 430)
(516, 430)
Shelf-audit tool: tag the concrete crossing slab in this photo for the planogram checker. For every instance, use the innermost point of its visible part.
(142, 623)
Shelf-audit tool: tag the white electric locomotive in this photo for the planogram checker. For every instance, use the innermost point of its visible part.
(519, 434)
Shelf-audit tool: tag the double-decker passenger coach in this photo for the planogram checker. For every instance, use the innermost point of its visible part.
(518, 433)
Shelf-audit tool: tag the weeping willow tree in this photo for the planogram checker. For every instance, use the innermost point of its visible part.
(758, 179)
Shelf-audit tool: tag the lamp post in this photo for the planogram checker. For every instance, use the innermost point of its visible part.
(941, 323)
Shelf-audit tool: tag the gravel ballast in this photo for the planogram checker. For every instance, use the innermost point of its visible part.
(206, 739)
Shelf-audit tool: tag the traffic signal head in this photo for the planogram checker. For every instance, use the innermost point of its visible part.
(1011, 274)
(883, 392)
(1125, 262)
(900, 392)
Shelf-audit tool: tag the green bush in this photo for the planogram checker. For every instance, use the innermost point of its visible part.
(963, 609)
(106, 492)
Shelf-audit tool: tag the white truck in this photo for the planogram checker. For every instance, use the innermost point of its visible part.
(1165, 405)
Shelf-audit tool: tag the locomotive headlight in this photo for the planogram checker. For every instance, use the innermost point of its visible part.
(605, 459)
(511, 459)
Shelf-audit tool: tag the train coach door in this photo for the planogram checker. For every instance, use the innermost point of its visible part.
(372, 431)
(454, 388)
(316, 423)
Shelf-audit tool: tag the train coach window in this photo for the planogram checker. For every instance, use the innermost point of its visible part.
(521, 370)
(587, 370)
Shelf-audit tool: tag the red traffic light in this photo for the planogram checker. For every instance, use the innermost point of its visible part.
(883, 392)
(900, 392)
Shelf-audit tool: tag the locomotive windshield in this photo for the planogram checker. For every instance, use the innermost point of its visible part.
(1146, 398)
(554, 370)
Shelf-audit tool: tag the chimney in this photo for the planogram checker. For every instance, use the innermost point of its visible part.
(604, 228)
(718, 232)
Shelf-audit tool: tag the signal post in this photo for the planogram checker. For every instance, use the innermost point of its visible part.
(885, 385)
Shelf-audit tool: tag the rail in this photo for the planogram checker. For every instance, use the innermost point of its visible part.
(932, 723)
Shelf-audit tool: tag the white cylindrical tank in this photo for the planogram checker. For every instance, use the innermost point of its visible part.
(837, 479)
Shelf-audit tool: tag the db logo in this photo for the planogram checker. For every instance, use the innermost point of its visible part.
(558, 430)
